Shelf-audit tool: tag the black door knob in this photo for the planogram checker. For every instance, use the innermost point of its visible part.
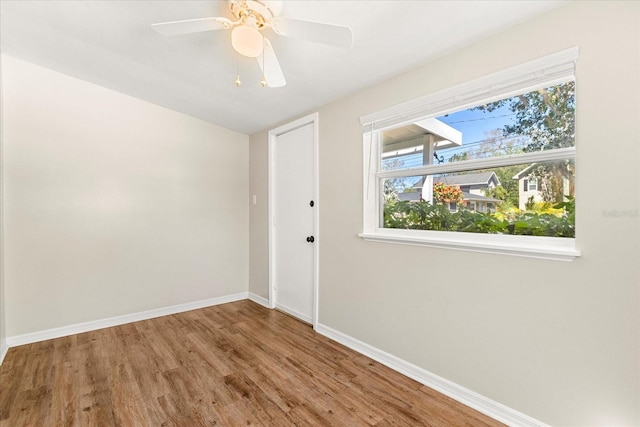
(311, 203)
(310, 239)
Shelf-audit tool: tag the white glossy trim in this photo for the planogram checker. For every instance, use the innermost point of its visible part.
(259, 300)
(316, 220)
(552, 248)
(486, 163)
(463, 395)
(120, 320)
(549, 70)
(295, 314)
(4, 347)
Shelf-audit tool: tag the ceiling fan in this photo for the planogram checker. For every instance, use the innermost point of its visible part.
(251, 18)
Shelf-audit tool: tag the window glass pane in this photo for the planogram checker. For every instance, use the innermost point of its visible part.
(494, 201)
(404, 153)
(406, 188)
(543, 119)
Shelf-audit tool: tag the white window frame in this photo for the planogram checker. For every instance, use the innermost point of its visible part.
(548, 71)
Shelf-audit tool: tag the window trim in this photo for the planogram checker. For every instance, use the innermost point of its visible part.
(486, 163)
(551, 248)
(550, 70)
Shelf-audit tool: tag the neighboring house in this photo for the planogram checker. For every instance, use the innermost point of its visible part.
(472, 185)
(476, 202)
(529, 186)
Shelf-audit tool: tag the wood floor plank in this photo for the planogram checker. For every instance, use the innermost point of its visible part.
(95, 403)
(227, 365)
(263, 409)
(65, 399)
(11, 373)
(126, 411)
(275, 388)
(145, 371)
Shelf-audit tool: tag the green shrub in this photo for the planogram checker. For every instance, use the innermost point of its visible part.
(553, 221)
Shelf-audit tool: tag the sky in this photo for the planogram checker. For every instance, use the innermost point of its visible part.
(475, 126)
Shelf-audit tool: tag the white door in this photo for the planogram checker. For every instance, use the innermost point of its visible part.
(293, 208)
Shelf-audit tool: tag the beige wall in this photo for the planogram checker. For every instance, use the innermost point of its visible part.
(113, 205)
(3, 333)
(558, 341)
(259, 222)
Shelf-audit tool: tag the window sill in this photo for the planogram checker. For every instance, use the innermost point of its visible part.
(553, 248)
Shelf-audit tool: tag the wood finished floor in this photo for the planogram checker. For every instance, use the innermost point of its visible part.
(229, 365)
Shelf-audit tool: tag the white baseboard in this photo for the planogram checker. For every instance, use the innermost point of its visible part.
(465, 396)
(4, 347)
(119, 320)
(259, 300)
(295, 313)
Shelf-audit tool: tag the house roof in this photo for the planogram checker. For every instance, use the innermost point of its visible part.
(468, 179)
(409, 137)
(523, 171)
(463, 179)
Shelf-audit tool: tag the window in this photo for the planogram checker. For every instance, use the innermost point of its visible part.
(530, 184)
(533, 184)
(449, 169)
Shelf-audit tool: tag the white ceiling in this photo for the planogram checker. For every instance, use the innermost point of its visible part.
(111, 43)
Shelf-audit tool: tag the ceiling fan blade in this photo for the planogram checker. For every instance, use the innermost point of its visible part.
(334, 35)
(271, 67)
(188, 26)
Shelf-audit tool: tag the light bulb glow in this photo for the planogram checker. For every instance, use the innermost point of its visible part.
(247, 41)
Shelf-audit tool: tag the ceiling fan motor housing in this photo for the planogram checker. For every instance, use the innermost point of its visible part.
(262, 10)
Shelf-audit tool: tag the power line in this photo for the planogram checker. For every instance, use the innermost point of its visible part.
(479, 119)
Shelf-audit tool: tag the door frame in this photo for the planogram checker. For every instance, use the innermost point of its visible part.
(273, 135)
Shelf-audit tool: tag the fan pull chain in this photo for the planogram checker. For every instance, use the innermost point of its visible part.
(263, 82)
(238, 82)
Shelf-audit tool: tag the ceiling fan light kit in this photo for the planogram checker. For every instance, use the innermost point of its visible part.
(247, 39)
